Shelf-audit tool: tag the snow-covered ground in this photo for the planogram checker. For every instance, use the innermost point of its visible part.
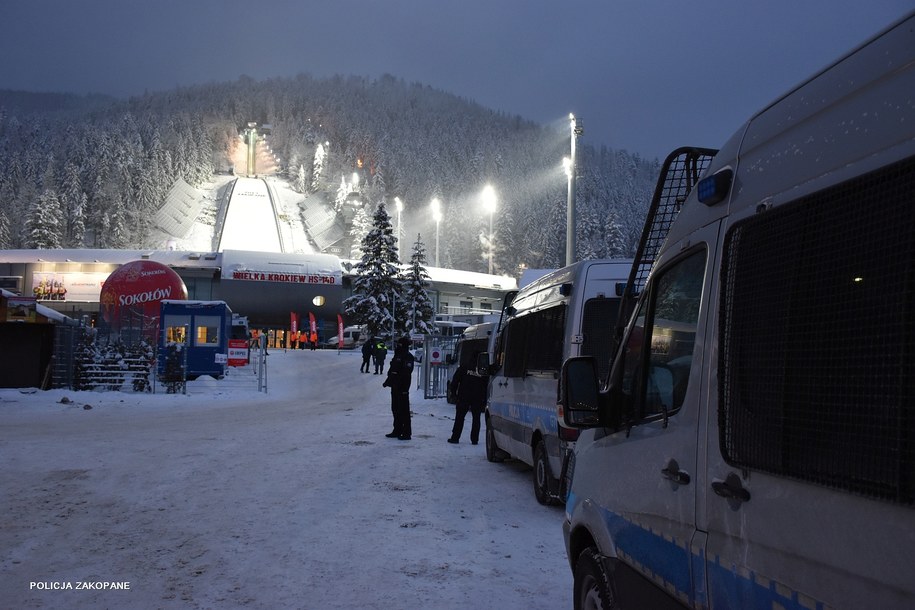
(229, 498)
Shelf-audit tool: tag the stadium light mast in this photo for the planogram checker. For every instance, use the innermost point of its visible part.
(576, 131)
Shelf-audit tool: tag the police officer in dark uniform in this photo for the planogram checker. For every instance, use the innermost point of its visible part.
(470, 387)
(399, 373)
(367, 348)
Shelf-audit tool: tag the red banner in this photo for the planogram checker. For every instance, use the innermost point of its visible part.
(293, 322)
(238, 352)
(339, 331)
(311, 320)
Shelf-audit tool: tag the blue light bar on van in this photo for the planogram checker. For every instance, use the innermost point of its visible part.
(714, 189)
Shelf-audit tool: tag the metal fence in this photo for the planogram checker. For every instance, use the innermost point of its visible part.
(436, 369)
(82, 361)
(78, 363)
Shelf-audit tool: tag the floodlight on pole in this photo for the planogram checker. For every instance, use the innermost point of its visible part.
(437, 216)
(489, 204)
(576, 130)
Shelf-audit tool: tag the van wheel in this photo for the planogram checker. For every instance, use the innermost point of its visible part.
(592, 587)
(493, 453)
(544, 483)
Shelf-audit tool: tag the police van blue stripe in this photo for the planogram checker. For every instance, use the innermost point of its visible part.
(667, 563)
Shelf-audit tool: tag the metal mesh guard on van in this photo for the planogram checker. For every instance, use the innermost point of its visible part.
(817, 338)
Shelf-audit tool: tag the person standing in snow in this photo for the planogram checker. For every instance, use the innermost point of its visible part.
(399, 373)
(379, 354)
(314, 340)
(469, 387)
(367, 348)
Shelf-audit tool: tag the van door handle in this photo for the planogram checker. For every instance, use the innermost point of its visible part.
(672, 471)
(731, 489)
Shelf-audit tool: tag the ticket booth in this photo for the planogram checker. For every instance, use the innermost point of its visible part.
(195, 336)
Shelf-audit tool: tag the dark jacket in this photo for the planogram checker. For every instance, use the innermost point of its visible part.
(380, 351)
(367, 349)
(400, 370)
(469, 387)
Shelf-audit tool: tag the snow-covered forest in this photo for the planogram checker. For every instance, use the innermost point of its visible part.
(92, 171)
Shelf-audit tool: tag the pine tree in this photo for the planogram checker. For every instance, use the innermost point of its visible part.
(359, 228)
(317, 171)
(377, 286)
(43, 224)
(5, 237)
(419, 312)
(73, 202)
(298, 184)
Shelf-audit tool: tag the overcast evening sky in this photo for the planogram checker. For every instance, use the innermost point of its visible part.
(643, 75)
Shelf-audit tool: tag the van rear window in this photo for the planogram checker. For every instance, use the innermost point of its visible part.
(817, 338)
(534, 342)
(598, 319)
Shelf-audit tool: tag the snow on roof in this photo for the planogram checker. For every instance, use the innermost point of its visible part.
(472, 278)
(457, 276)
(312, 263)
(171, 258)
(298, 263)
(326, 264)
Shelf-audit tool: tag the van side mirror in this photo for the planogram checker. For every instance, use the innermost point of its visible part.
(580, 393)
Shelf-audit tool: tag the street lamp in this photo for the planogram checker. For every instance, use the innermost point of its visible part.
(489, 204)
(576, 130)
(399, 204)
(437, 216)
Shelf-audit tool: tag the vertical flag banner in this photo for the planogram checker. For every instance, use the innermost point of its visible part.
(293, 322)
(339, 331)
(313, 324)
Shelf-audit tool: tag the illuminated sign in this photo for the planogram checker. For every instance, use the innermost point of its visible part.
(287, 278)
(68, 286)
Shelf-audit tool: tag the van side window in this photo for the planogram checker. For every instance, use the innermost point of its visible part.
(817, 338)
(534, 342)
(654, 380)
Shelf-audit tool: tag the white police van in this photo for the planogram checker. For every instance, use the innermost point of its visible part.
(562, 314)
(754, 443)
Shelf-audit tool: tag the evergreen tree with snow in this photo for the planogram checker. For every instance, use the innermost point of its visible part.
(359, 228)
(6, 241)
(419, 312)
(377, 287)
(317, 170)
(298, 185)
(43, 225)
(73, 204)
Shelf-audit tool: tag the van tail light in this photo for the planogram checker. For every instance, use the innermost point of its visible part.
(568, 434)
(565, 434)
